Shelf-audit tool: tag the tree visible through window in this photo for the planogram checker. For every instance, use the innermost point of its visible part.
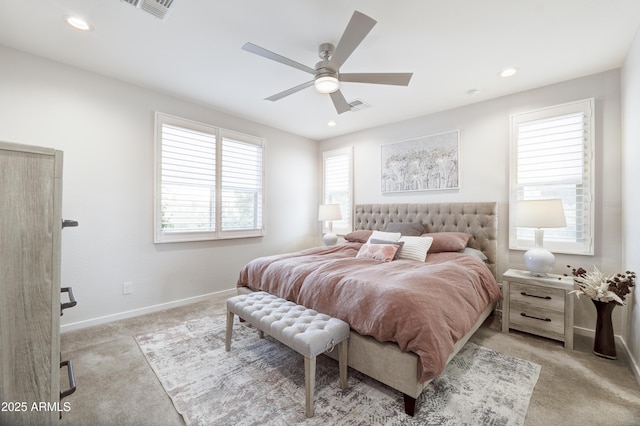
(208, 182)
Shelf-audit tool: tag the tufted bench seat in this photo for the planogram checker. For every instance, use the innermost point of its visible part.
(304, 330)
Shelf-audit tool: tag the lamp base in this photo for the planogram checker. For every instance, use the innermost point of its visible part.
(330, 239)
(539, 261)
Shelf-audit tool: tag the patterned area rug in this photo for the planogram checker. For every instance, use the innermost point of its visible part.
(262, 382)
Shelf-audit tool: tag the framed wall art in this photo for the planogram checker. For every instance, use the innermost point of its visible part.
(422, 164)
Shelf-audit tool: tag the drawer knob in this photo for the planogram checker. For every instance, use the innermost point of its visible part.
(524, 293)
(69, 223)
(537, 318)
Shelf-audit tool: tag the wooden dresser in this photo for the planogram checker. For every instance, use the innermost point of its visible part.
(30, 237)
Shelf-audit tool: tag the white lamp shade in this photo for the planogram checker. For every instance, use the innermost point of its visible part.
(540, 214)
(329, 212)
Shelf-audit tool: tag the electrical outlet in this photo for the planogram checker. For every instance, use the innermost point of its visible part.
(127, 288)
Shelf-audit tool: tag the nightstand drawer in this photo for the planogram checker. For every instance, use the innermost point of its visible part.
(537, 310)
(537, 296)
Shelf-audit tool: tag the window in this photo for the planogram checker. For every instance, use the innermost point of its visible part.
(337, 172)
(551, 157)
(208, 182)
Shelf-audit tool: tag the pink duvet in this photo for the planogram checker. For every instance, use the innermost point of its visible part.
(424, 307)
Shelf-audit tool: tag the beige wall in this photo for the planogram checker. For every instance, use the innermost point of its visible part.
(630, 193)
(105, 129)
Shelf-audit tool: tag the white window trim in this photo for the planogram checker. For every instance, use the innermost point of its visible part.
(588, 107)
(337, 229)
(217, 234)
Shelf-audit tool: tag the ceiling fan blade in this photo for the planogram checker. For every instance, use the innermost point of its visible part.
(357, 29)
(394, 78)
(340, 102)
(261, 51)
(289, 91)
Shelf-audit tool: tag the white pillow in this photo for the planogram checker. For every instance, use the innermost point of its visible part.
(387, 236)
(415, 248)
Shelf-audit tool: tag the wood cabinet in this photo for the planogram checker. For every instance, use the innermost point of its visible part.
(30, 235)
(538, 305)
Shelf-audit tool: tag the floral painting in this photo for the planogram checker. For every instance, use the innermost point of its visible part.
(421, 164)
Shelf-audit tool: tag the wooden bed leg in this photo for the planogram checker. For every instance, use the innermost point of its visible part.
(409, 405)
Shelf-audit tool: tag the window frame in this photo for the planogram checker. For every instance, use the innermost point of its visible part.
(345, 225)
(220, 134)
(585, 247)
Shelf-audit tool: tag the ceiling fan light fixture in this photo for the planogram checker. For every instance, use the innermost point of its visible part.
(326, 84)
(326, 73)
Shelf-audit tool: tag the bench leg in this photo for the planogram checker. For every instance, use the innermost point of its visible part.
(227, 337)
(343, 350)
(309, 383)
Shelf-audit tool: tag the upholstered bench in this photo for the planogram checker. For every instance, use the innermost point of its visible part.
(304, 330)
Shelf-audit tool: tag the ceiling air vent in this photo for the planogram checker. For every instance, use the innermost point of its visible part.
(358, 105)
(158, 8)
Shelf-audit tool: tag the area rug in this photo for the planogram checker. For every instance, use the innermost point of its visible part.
(261, 382)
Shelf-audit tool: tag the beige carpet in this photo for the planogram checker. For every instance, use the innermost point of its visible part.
(116, 385)
(262, 382)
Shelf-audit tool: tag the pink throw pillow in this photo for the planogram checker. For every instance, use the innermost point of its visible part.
(448, 241)
(358, 236)
(381, 252)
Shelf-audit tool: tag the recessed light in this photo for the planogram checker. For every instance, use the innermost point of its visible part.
(78, 23)
(473, 92)
(508, 72)
(331, 123)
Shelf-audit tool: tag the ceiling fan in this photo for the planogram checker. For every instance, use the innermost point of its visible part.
(327, 76)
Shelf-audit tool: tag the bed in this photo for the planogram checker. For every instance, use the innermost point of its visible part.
(408, 318)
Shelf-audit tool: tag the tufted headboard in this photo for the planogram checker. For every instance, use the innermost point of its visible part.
(478, 219)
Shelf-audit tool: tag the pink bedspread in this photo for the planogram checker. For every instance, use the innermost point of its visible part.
(424, 307)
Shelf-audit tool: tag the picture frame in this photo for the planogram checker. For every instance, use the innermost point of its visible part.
(427, 163)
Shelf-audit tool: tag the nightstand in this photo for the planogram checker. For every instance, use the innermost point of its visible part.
(538, 305)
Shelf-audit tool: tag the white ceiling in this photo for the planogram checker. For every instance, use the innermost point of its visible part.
(451, 46)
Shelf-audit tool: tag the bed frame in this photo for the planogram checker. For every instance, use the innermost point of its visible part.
(385, 362)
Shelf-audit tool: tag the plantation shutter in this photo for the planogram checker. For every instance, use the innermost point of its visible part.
(552, 159)
(241, 184)
(188, 180)
(208, 182)
(337, 184)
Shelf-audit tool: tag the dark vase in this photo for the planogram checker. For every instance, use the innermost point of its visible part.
(604, 344)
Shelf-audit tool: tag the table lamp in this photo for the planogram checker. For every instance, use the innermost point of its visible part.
(540, 214)
(329, 213)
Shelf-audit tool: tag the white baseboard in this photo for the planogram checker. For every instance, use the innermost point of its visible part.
(146, 310)
(632, 361)
(620, 343)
